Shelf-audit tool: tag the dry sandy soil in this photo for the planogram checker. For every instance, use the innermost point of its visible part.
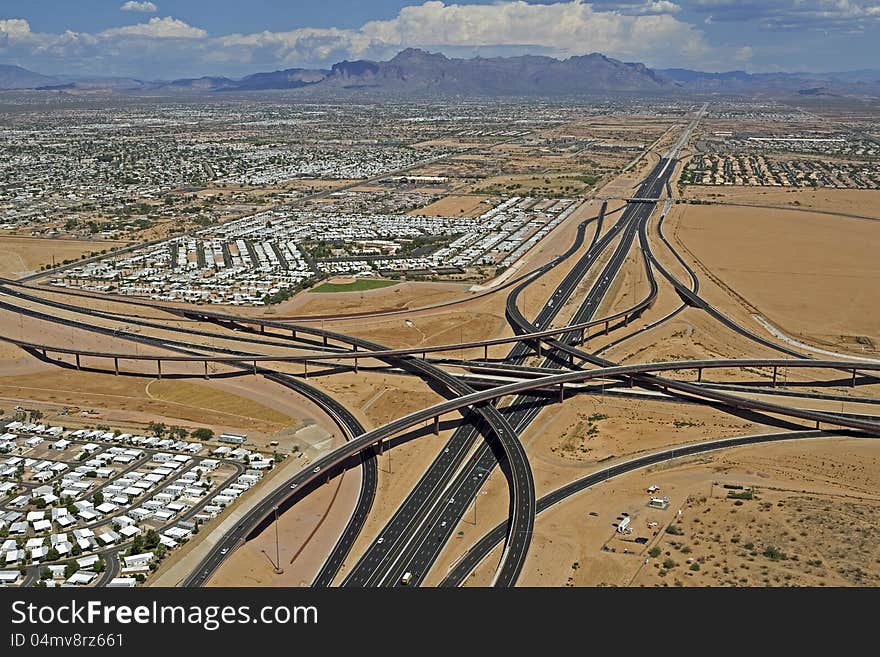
(814, 276)
(810, 523)
(455, 206)
(23, 255)
(864, 202)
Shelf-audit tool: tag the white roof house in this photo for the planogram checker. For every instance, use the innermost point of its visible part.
(138, 560)
(122, 582)
(81, 578)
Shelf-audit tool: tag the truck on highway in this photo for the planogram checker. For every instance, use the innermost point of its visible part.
(406, 579)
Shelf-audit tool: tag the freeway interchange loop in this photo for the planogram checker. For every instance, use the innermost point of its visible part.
(490, 420)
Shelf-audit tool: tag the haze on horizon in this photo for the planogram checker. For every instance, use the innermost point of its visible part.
(163, 39)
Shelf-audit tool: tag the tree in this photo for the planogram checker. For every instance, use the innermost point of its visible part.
(70, 567)
(203, 433)
(98, 497)
(100, 565)
(137, 545)
(151, 540)
(45, 573)
(156, 428)
(52, 554)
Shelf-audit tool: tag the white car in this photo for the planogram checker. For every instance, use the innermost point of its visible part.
(318, 469)
(292, 486)
(224, 550)
(381, 539)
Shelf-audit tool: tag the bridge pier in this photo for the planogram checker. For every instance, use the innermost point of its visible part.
(262, 328)
(561, 392)
(115, 365)
(699, 375)
(379, 448)
(325, 340)
(606, 327)
(437, 425)
(853, 382)
(293, 333)
(538, 348)
(306, 367)
(77, 366)
(774, 376)
(255, 368)
(206, 370)
(159, 368)
(355, 365)
(486, 353)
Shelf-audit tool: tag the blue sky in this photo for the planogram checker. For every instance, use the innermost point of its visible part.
(177, 38)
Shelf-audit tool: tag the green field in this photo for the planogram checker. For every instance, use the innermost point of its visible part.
(357, 286)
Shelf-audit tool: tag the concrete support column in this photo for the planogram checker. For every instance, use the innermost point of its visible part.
(159, 368)
(355, 365)
(306, 366)
(774, 376)
(325, 340)
(206, 370)
(436, 425)
(699, 375)
(255, 368)
(486, 355)
(115, 366)
(77, 367)
(561, 392)
(853, 382)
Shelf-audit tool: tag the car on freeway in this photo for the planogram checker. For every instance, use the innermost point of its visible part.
(317, 469)
(224, 550)
(381, 539)
(292, 486)
(451, 500)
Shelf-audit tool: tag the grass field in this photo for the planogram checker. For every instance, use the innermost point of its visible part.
(355, 286)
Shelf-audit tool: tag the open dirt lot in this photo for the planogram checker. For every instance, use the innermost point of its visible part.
(809, 523)
(23, 255)
(813, 276)
(143, 400)
(455, 206)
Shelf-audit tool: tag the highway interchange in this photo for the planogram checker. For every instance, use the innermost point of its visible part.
(490, 420)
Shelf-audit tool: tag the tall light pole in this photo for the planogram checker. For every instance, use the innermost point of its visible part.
(278, 568)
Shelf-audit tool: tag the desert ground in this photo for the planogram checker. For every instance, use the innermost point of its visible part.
(814, 276)
(24, 255)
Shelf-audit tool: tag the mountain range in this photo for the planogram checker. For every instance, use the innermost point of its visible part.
(418, 72)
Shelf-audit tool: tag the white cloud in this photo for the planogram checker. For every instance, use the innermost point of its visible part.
(158, 28)
(641, 30)
(744, 54)
(144, 7)
(15, 28)
(567, 28)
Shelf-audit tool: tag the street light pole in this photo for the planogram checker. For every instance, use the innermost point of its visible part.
(278, 569)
